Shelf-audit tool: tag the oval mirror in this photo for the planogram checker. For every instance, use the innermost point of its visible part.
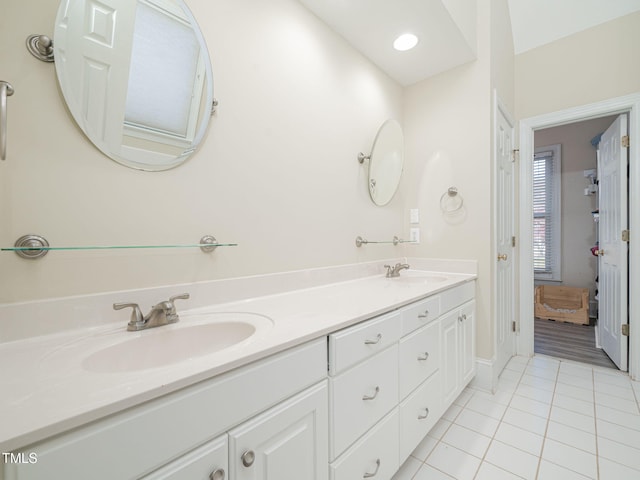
(136, 77)
(385, 162)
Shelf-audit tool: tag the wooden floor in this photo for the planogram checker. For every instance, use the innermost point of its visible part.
(570, 341)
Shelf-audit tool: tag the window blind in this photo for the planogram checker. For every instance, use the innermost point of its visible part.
(546, 213)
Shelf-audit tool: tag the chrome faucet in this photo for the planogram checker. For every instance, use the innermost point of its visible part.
(395, 270)
(161, 314)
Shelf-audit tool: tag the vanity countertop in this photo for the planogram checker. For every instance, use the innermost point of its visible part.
(46, 389)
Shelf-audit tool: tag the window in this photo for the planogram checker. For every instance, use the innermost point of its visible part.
(546, 213)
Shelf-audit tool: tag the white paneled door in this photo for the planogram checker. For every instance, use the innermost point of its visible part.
(504, 235)
(613, 250)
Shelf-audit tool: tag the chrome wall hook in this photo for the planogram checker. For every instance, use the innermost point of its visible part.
(41, 47)
(362, 157)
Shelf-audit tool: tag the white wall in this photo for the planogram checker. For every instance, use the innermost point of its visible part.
(448, 142)
(589, 66)
(277, 173)
(579, 231)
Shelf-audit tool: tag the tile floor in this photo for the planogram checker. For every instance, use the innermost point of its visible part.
(550, 419)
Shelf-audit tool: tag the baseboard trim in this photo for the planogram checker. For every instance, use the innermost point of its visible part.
(486, 378)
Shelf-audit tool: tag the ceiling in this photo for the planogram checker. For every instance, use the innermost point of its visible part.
(447, 28)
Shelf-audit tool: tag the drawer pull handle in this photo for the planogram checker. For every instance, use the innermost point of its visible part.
(424, 315)
(423, 357)
(369, 475)
(217, 474)
(426, 414)
(373, 342)
(371, 397)
(248, 458)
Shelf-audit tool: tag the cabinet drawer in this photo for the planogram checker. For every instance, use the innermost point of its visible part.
(351, 345)
(419, 357)
(456, 296)
(361, 396)
(376, 452)
(418, 414)
(199, 464)
(420, 313)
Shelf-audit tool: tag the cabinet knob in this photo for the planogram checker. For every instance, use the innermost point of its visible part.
(426, 414)
(248, 458)
(217, 474)
(371, 397)
(423, 357)
(369, 475)
(373, 342)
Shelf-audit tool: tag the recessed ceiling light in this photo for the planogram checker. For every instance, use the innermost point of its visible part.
(405, 41)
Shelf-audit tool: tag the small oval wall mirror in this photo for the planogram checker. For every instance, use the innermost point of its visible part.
(136, 77)
(386, 162)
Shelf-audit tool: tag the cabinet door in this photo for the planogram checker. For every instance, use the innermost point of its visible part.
(467, 338)
(450, 358)
(287, 442)
(209, 462)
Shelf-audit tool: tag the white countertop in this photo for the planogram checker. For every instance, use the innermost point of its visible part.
(47, 390)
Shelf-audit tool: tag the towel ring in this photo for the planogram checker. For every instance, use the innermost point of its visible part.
(451, 201)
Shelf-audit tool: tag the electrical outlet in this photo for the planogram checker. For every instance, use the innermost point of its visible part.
(414, 235)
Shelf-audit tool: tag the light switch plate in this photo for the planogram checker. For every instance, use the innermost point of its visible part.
(414, 216)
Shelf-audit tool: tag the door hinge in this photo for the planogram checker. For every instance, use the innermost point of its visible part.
(513, 326)
(625, 236)
(515, 153)
(625, 329)
(513, 241)
(625, 141)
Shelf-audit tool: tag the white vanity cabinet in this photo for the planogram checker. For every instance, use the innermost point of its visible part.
(351, 405)
(391, 379)
(183, 435)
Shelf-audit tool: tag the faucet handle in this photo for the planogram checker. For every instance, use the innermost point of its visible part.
(136, 314)
(182, 296)
(171, 307)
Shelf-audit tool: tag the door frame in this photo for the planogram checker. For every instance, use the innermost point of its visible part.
(629, 104)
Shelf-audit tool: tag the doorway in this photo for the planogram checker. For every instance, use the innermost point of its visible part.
(565, 215)
(615, 106)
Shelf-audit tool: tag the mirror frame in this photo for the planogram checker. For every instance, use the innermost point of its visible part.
(386, 163)
(91, 123)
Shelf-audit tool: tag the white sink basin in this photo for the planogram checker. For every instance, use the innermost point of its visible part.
(194, 336)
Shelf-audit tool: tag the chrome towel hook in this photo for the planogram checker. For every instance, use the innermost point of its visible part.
(6, 90)
(41, 47)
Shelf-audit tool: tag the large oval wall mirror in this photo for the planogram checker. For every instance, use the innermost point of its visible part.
(136, 77)
(385, 162)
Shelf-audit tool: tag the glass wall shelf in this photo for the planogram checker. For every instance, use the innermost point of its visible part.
(35, 246)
